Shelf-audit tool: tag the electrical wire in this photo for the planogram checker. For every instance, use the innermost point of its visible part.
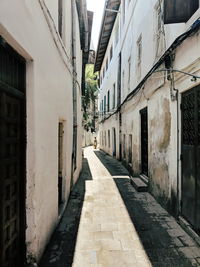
(180, 71)
(179, 40)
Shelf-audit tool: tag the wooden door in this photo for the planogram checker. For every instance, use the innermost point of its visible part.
(190, 157)
(12, 157)
(144, 141)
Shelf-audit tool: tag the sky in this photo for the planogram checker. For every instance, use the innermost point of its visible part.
(97, 7)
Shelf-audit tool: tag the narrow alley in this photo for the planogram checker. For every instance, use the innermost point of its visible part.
(99, 133)
(118, 226)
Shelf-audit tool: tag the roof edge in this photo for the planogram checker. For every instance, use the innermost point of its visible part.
(108, 5)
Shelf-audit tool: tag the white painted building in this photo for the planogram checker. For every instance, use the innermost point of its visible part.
(43, 44)
(141, 120)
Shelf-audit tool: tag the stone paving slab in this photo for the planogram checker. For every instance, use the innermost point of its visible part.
(121, 227)
(60, 250)
(112, 239)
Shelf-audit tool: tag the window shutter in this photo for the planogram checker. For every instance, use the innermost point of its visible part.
(177, 11)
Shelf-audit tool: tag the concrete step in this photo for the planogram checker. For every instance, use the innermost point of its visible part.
(138, 184)
(144, 178)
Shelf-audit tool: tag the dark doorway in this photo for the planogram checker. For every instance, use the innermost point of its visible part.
(60, 162)
(190, 157)
(144, 141)
(12, 157)
(114, 142)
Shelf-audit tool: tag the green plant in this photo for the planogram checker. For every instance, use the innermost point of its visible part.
(89, 102)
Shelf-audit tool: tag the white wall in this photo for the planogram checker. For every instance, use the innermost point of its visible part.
(140, 20)
(49, 100)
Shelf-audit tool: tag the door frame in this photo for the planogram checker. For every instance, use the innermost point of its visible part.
(142, 111)
(114, 142)
(20, 95)
(181, 165)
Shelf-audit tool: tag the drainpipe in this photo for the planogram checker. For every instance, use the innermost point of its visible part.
(175, 97)
(73, 51)
(86, 33)
(178, 154)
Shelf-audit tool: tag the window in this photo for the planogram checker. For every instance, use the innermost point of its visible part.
(117, 33)
(159, 30)
(103, 72)
(105, 138)
(111, 53)
(114, 142)
(123, 79)
(108, 98)
(60, 161)
(129, 73)
(119, 80)
(130, 149)
(101, 107)
(106, 64)
(139, 56)
(175, 11)
(159, 16)
(159, 38)
(124, 9)
(60, 16)
(104, 104)
(108, 138)
(124, 147)
(114, 95)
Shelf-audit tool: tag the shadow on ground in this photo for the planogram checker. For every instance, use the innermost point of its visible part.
(110, 163)
(150, 220)
(60, 250)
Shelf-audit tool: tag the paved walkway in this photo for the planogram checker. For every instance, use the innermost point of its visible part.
(121, 227)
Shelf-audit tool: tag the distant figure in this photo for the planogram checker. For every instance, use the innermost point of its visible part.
(95, 143)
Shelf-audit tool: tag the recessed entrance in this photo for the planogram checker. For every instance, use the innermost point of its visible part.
(12, 157)
(114, 142)
(190, 157)
(60, 162)
(144, 141)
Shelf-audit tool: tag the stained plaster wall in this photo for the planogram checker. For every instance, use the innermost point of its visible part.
(49, 100)
(164, 154)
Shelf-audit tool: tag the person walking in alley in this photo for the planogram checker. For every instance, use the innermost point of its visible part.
(95, 143)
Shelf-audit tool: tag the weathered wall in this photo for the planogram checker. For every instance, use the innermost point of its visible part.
(49, 100)
(164, 114)
(79, 101)
(159, 141)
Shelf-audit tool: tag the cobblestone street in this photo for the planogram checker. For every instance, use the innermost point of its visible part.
(119, 226)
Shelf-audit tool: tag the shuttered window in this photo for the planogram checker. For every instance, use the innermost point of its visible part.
(177, 11)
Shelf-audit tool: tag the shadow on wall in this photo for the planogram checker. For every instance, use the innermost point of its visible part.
(60, 250)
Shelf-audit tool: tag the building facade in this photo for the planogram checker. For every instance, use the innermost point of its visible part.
(148, 62)
(42, 47)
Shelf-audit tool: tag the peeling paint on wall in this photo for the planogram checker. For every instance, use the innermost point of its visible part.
(159, 141)
(166, 117)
